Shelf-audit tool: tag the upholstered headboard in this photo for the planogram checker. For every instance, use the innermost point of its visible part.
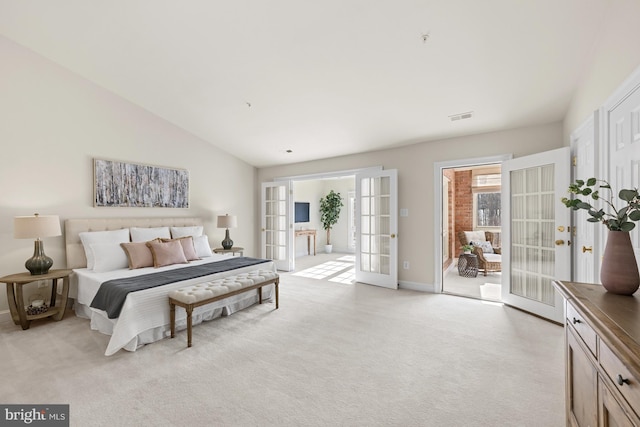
(73, 227)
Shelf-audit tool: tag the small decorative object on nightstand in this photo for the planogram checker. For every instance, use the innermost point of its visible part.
(231, 250)
(23, 316)
(37, 226)
(227, 221)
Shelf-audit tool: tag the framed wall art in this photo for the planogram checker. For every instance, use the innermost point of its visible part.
(120, 184)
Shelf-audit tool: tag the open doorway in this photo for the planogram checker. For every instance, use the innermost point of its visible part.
(471, 230)
(375, 216)
(311, 257)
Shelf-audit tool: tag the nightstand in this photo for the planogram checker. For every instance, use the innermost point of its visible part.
(15, 296)
(233, 250)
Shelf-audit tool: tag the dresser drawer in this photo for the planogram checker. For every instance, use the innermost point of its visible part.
(622, 379)
(583, 329)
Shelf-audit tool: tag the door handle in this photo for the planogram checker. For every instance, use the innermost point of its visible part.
(587, 249)
(559, 242)
(393, 236)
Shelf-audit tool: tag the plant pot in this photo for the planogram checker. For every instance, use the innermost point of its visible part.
(619, 271)
(328, 248)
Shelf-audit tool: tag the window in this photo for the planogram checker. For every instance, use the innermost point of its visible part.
(486, 200)
(487, 209)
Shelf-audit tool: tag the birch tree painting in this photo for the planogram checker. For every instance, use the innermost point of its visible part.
(134, 185)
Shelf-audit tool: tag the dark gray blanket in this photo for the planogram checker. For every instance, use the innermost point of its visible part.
(112, 293)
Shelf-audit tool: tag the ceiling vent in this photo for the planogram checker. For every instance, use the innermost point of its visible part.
(461, 116)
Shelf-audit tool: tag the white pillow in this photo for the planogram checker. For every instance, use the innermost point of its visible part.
(201, 243)
(195, 231)
(98, 237)
(485, 246)
(475, 236)
(108, 257)
(144, 234)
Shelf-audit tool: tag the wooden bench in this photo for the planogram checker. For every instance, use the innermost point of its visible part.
(205, 293)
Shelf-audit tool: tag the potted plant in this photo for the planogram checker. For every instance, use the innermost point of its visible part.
(466, 249)
(329, 213)
(619, 271)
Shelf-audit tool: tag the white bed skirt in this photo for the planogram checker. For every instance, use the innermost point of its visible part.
(133, 340)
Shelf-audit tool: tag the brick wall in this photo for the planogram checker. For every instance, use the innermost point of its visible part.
(463, 205)
(453, 250)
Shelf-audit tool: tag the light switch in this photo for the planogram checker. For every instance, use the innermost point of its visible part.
(404, 212)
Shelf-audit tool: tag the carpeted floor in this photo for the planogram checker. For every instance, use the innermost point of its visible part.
(333, 354)
(482, 287)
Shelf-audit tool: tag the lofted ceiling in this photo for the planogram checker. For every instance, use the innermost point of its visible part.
(325, 78)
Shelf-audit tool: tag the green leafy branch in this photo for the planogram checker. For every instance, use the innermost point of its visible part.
(616, 219)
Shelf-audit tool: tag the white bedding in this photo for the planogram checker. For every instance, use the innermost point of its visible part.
(145, 315)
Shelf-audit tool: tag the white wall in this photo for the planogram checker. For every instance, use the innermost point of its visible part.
(339, 232)
(415, 181)
(54, 123)
(615, 57)
(311, 191)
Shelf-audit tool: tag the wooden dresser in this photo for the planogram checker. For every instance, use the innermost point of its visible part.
(602, 356)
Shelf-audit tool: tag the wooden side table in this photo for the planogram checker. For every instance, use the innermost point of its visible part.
(468, 265)
(15, 295)
(308, 233)
(232, 251)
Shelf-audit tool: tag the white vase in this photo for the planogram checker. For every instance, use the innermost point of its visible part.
(328, 248)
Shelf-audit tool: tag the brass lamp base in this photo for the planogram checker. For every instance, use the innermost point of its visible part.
(39, 263)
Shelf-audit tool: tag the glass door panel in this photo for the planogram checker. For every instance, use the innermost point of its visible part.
(275, 224)
(376, 260)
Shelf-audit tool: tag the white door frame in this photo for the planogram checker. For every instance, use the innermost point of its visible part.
(585, 265)
(438, 167)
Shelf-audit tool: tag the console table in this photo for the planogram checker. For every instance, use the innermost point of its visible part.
(308, 233)
(602, 356)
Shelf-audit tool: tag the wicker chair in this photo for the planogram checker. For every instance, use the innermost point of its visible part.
(487, 262)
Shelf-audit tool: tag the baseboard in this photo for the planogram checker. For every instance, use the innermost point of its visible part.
(5, 316)
(415, 286)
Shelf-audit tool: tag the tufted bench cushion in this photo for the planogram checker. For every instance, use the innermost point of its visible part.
(194, 296)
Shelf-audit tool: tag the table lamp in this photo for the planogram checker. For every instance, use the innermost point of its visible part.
(37, 226)
(227, 221)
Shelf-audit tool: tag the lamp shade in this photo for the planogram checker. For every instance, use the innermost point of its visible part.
(36, 226)
(227, 221)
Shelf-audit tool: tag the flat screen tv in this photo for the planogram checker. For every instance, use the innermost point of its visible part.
(301, 211)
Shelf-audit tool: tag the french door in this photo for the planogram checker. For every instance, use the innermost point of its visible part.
(275, 228)
(536, 233)
(584, 145)
(377, 228)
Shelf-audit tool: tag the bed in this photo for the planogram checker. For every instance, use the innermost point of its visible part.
(144, 315)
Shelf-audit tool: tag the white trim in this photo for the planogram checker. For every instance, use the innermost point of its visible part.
(438, 167)
(5, 316)
(416, 286)
(625, 89)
